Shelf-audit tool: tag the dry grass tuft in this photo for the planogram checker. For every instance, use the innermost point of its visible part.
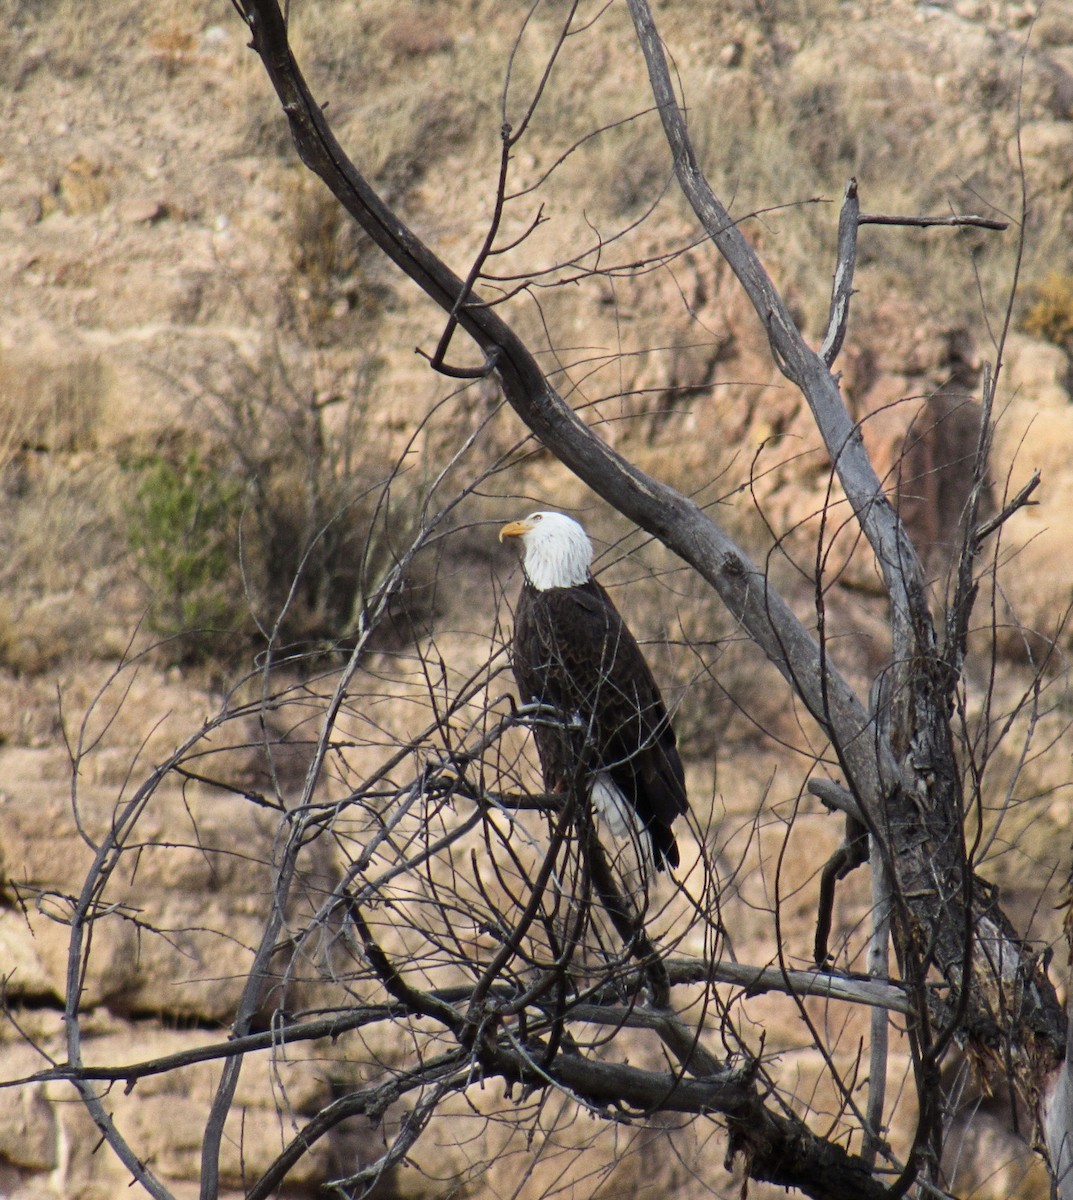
(1050, 311)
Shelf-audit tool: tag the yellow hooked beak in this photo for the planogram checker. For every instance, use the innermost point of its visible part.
(515, 529)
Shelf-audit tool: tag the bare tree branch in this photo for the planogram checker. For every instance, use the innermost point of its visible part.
(927, 222)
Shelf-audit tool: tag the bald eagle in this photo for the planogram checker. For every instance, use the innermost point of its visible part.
(572, 651)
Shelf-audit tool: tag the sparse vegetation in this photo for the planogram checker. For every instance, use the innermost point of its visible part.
(328, 283)
(282, 528)
(1050, 310)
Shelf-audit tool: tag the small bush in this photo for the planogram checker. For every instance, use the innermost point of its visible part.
(326, 253)
(182, 526)
(1050, 314)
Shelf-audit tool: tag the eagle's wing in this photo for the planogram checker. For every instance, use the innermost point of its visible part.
(574, 651)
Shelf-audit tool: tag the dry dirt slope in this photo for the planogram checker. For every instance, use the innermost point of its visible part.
(150, 210)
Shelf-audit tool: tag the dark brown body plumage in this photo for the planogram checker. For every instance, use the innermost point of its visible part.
(572, 650)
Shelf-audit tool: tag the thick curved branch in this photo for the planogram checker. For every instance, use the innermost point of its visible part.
(779, 1149)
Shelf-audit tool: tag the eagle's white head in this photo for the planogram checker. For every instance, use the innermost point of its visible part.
(557, 551)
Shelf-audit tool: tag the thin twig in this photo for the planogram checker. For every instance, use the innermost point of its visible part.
(1021, 500)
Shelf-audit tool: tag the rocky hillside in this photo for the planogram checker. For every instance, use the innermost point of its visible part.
(216, 440)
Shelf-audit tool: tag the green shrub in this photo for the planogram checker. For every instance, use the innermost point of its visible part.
(182, 526)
